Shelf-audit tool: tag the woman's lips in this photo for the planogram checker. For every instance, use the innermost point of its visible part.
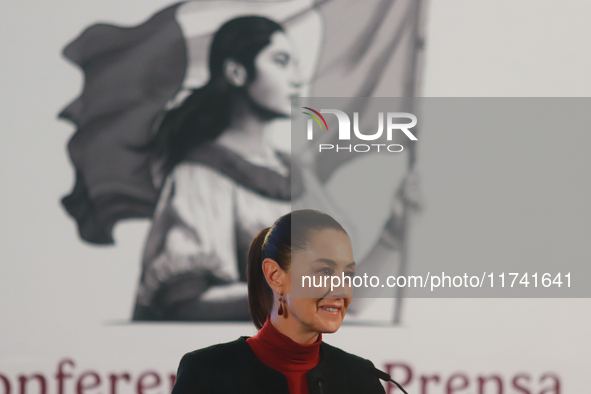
(333, 310)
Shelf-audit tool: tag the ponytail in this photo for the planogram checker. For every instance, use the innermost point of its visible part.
(201, 118)
(260, 295)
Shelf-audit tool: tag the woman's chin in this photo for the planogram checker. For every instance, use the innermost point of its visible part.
(282, 112)
(330, 324)
(281, 107)
(331, 327)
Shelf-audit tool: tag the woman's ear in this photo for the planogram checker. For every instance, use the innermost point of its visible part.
(235, 73)
(274, 275)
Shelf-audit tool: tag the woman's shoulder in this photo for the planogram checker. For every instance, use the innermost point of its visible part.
(222, 162)
(191, 180)
(193, 170)
(217, 366)
(218, 353)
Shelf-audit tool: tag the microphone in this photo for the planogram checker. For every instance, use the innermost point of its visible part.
(384, 376)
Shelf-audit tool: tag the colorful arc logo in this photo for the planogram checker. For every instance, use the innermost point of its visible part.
(315, 118)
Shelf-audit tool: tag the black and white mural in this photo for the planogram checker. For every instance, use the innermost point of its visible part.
(184, 119)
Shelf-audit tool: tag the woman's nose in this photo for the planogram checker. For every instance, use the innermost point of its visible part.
(296, 83)
(341, 290)
(296, 79)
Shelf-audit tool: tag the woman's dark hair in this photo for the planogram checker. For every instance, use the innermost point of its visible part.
(289, 233)
(206, 112)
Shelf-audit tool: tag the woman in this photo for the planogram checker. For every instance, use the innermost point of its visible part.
(287, 355)
(224, 182)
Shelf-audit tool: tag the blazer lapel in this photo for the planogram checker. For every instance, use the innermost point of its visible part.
(329, 376)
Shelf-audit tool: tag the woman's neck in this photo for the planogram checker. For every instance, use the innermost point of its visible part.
(247, 130)
(293, 329)
(248, 135)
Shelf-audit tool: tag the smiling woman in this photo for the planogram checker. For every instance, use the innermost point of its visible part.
(288, 354)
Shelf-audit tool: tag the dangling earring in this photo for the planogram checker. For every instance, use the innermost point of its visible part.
(280, 310)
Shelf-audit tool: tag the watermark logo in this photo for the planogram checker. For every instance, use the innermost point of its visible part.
(310, 128)
(392, 122)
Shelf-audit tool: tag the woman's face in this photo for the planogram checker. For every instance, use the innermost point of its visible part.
(277, 78)
(329, 253)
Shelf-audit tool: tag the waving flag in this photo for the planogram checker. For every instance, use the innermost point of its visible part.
(130, 74)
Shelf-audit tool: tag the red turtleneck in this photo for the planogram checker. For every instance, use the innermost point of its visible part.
(290, 358)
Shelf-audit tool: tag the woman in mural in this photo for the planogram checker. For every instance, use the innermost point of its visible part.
(225, 182)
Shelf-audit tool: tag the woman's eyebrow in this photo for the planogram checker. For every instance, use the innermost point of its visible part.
(332, 262)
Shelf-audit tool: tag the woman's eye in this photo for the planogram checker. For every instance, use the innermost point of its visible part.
(350, 274)
(325, 271)
(281, 60)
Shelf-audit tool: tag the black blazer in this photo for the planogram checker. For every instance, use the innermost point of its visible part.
(233, 367)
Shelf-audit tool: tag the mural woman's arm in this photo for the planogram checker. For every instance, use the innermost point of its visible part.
(193, 274)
